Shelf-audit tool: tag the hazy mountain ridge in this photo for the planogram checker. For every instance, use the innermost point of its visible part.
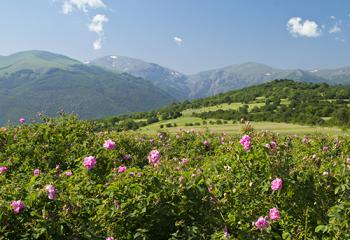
(211, 82)
(171, 81)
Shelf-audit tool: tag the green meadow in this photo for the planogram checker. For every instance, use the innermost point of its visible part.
(236, 128)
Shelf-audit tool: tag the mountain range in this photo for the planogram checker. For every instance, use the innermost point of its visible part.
(208, 83)
(35, 81)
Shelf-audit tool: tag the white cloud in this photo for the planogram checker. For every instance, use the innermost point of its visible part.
(336, 28)
(97, 44)
(333, 17)
(83, 5)
(96, 24)
(298, 28)
(178, 40)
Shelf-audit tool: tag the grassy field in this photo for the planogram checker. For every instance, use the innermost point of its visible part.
(232, 106)
(235, 128)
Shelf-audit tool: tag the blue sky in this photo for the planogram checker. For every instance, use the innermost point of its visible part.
(186, 35)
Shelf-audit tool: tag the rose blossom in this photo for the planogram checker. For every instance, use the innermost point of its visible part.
(121, 169)
(51, 190)
(245, 142)
(17, 206)
(245, 138)
(109, 144)
(3, 169)
(154, 157)
(109, 238)
(89, 162)
(262, 223)
(276, 184)
(274, 214)
(22, 120)
(69, 173)
(247, 146)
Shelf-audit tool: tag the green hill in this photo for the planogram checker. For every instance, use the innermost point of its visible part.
(41, 81)
(279, 101)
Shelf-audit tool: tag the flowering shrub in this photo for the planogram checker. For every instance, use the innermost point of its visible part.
(172, 187)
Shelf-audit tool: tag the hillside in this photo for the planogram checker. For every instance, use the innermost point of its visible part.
(41, 81)
(279, 101)
(172, 82)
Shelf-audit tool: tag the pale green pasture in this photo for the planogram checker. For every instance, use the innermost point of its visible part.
(235, 128)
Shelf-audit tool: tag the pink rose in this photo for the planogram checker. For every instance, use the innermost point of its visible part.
(274, 214)
(245, 138)
(247, 146)
(154, 157)
(69, 173)
(121, 169)
(22, 120)
(3, 169)
(276, 184)
(51, 190)
(17, 206)
(245, 142)
(89, 162)
(109, 144)
(262, 223)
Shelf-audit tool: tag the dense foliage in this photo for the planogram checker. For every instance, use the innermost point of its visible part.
(62, 180)
(307, 104)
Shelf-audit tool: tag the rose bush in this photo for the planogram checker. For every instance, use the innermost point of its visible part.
(62, 180)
